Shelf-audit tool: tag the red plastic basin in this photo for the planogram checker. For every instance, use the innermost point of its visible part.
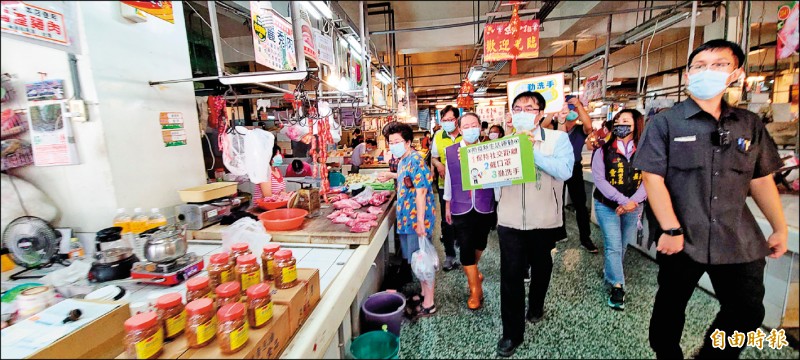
(283, 219)
(271, 205)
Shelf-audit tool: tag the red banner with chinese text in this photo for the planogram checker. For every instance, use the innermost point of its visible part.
(497, 40)
(159, 9)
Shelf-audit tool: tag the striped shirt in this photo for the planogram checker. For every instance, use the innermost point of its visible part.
(278, 186)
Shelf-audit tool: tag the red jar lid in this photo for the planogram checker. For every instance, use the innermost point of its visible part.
(220, 259)
(200, 306)
(198, 283)
(228, 289)
(284, 254)
(246, 259)
(167, 301)
(230, 312)
(239, 247)
(141, 321)
(271, 248)
(258, 291)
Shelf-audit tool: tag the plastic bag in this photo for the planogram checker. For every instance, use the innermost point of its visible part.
(425, 261)
(364, 196)
(245, 230)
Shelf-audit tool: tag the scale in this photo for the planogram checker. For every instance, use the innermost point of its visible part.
(171, 273)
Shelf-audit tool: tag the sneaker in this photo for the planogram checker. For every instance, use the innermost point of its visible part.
(449, 263)
(617, 298)
(589, 246)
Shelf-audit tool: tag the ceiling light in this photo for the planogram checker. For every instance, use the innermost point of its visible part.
(481, 90)
(267, 78)
(757, 51)
(323, 8)
(383, 78)
(356, 55)
(353, 43)
(342, 41)
(475, 74)
(311, 9)
(589, 63)
(661, 25)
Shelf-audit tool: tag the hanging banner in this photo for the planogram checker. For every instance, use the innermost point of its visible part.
(492, 114)
(788, 30)
(550, 86)
(324, 48)
(592, 89)
(34, 22)
(497, 163)
(273, 38)
(309, 48)
(159, 9)
(51, 134)
(498, 41)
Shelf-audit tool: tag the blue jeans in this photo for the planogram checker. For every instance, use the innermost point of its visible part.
(618, 232)
(409, 243)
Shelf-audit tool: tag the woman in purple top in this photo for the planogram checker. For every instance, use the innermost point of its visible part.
(618, 197)
(469, 211)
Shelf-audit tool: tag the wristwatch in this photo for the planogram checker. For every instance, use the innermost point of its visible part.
(673, 231)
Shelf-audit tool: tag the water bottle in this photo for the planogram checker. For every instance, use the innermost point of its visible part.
(156, 219)
(139, 222)
(123, 220)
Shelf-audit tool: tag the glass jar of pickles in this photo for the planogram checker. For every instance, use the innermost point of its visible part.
(201, 325)
(232, 331)
(247, 271)
(220, 270)
(237, 250)
(144, 337)
(259, 305)
(285, 269)
(172, 315)
(228, 293)
(268, 260)
(197, 288)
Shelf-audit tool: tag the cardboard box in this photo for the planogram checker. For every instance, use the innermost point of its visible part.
(100, 339)
(301, 298)
(172, 350)
(265, 343)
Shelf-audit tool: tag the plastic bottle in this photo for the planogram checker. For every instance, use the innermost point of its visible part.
(123, 220)
(156, 219)
(139, 222)
(76, 249)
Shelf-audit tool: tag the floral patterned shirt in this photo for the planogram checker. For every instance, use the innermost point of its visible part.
(412, 174)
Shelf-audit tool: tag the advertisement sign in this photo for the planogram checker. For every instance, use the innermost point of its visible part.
(324, 48)
(788, 30)
(172, 131)
(498, 41)
(494, 115)
(497, 163)
(309, 47)
(45, 90)
(592, 89)
(273, 38)
(51, 134)
(550, 86)
(159, 9)
(34, 22)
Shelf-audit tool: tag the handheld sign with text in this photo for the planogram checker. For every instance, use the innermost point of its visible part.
(501, 162)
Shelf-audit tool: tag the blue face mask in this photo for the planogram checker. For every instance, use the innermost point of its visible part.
(449, 126)
(471, 135)
(277, 160)
(523, 121)
(398, 150)
(707, 84)
(572, 116)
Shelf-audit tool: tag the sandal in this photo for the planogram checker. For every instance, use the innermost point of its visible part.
(422, 311)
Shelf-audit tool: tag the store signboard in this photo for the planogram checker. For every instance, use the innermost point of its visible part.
(159, 9)
(592, 89)
(498, 41)
(550, 86)
(273, 38)
(788, 30)
(497, 163)
(324, 48)
(34, 22)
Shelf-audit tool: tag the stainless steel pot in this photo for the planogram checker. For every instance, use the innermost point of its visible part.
(166, 245)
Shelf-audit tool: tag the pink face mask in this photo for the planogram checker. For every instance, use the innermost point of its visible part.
(494, 136)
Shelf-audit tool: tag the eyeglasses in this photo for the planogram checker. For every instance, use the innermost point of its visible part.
(696, 68)
(527, 109)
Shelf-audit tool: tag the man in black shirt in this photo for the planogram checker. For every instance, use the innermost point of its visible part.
(699, 161)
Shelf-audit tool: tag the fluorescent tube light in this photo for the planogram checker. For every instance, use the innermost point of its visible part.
(589, 63)
(356, 55)
(323, 8)
(354, 43)
(311, 9)
(342, 41)
(475, 74)
(267, 78)
(661, 25)
(382, 78)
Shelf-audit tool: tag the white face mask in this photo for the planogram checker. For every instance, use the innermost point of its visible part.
(494, 136)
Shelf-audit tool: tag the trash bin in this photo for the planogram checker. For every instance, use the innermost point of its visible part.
(376, 345)
(384, 308)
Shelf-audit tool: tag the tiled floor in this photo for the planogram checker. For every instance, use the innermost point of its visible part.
(577, 323)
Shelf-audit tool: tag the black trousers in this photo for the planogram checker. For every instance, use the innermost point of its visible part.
(448, 236)
(471, 232)
(739, 288)
(518, 250)
(577, 193)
